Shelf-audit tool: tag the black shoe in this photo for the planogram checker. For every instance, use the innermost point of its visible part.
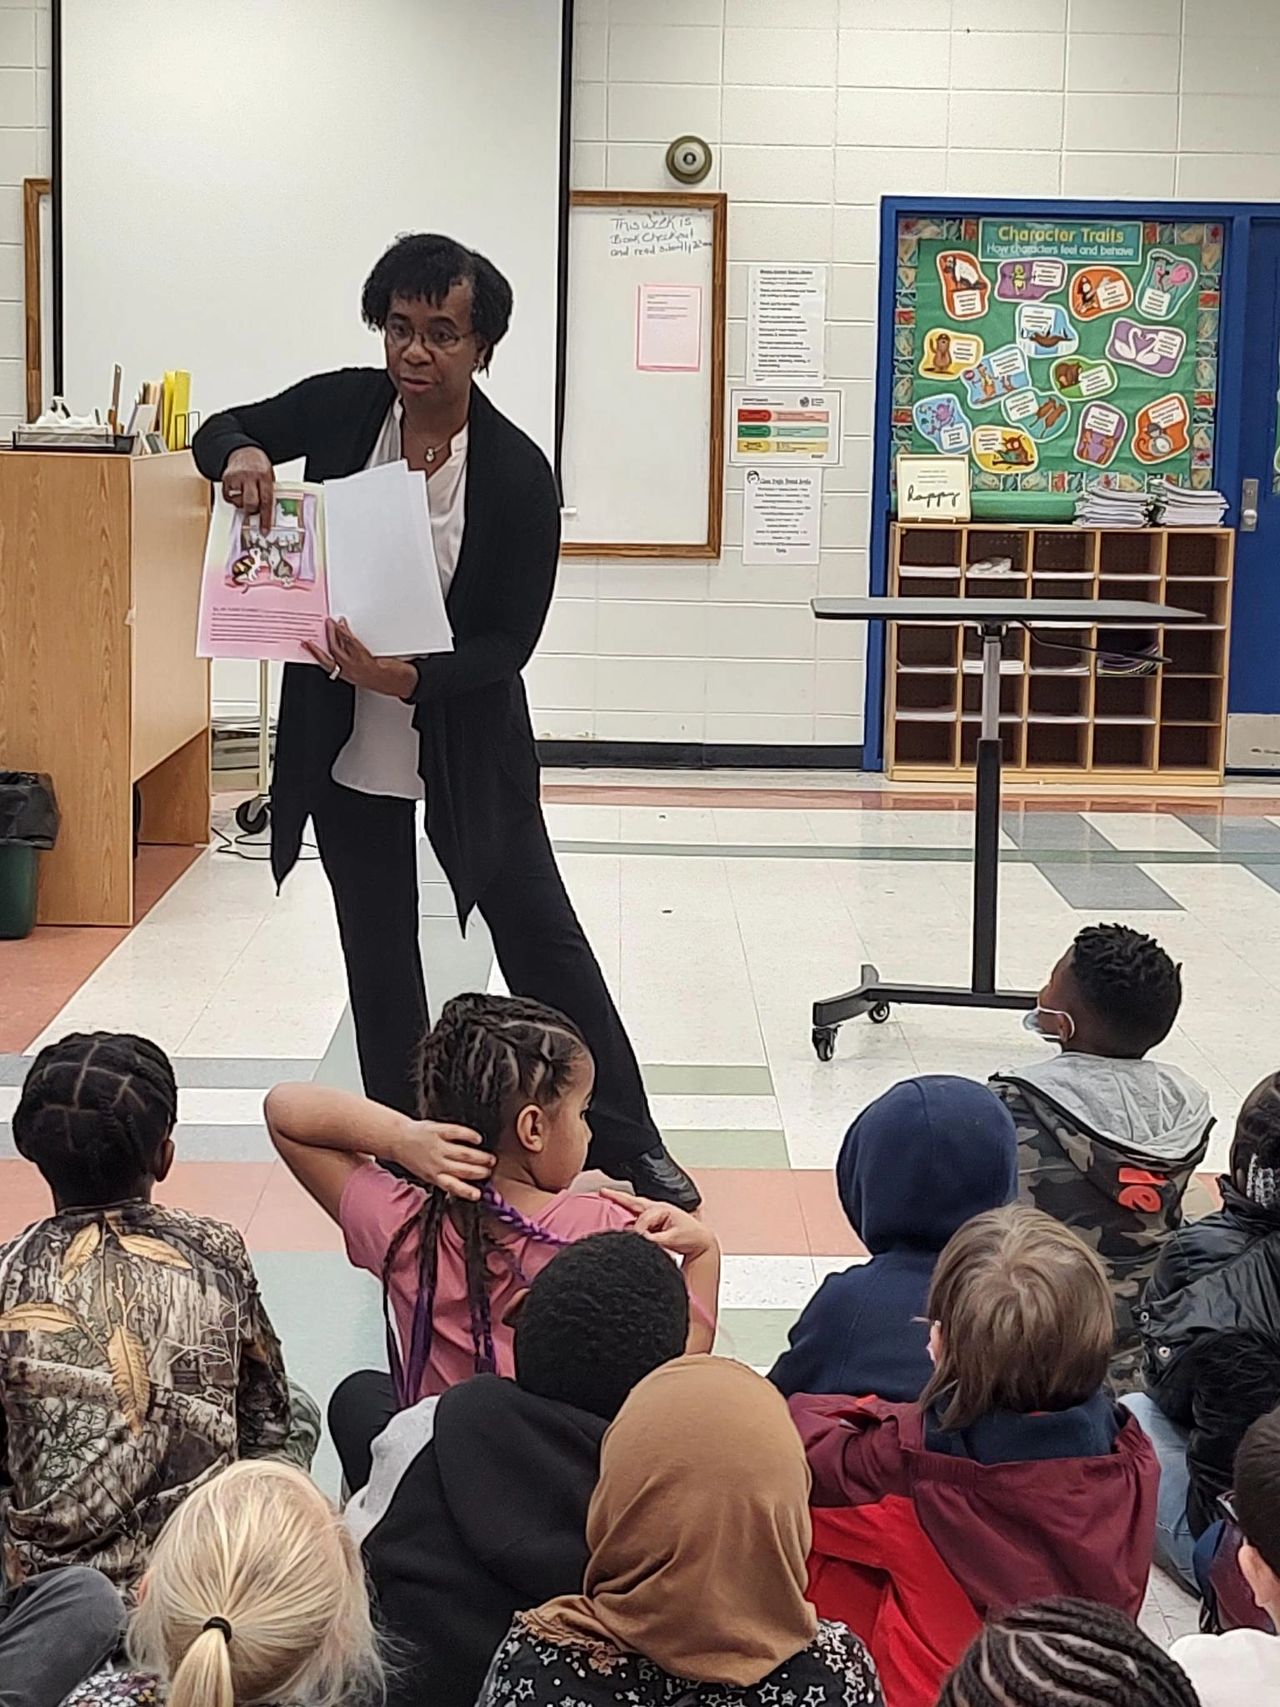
(658, 1175)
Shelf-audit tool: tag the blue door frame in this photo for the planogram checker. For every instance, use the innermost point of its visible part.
(1236, 219)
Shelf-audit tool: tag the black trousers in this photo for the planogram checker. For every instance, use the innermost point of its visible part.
(368, 846)
(360, 1408)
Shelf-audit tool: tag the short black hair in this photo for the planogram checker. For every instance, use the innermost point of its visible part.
(1130, 984)
(93, 1113)
(425, 265)
(1257, 1487)
(602, 1315)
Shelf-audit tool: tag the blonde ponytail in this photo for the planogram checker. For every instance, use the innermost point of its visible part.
(256, 1593)
(203, 1677)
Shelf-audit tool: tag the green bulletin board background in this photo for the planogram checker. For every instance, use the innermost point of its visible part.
(992, 280)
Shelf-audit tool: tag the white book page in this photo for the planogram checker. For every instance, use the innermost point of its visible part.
(383, 576)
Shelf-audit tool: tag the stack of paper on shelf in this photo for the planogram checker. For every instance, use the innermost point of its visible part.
(1180, 507)
(1106, 507)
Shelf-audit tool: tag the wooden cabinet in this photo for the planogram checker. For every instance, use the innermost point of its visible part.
(1067, 708)
(99, 683)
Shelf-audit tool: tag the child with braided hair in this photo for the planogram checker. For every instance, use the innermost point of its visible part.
(136, 1358)
(1066, 1653)
(504, 1085)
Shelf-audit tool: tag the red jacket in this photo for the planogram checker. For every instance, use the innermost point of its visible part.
(913, 1547)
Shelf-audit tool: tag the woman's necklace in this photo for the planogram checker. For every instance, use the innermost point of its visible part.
(429, 452)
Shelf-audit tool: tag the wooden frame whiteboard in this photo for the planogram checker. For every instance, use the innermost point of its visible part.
(642, 455)
(35, 192)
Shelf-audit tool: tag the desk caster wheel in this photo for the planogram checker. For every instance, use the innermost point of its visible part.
(879, 1014)
(824, 1043)
(254, 815)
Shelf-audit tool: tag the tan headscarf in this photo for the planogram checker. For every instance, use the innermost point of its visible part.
(698, 1530)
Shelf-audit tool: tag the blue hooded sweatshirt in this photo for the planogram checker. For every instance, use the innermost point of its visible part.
(916, 1164)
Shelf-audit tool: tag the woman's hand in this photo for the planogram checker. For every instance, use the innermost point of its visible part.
(249, 484)
(350, 659)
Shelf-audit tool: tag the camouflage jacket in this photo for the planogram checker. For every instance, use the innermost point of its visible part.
(136, 1359)
(1110, 1153)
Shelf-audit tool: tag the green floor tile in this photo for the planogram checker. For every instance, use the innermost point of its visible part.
(754, 1336)
(707, 1081)
(727, 1149)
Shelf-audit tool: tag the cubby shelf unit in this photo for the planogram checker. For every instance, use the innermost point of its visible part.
(1063, 715)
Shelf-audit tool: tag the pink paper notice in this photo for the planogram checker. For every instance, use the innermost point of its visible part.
(669, 328)
(263, 594)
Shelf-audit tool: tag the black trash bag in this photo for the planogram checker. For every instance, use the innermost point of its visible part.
(28, 810)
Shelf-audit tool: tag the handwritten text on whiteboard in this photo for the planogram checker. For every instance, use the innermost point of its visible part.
(656, 233)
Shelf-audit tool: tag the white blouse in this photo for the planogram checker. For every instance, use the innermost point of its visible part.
(381, 756)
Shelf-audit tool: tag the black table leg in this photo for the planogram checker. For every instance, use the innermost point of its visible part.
(986, 866)
(873, 996)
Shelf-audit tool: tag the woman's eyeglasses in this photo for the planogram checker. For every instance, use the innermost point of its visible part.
(439, 335)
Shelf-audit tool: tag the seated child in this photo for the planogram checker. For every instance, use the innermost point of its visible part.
(1244, 1665)
(1066, 1653)
(1108, 1141)
(1015, 1477)
(1227, 1600)
(694, 1591)
(255, 1593)
(514, 1078)
(135, 1354)
(916, 1164)
(481, 1510)
(1210, 1321)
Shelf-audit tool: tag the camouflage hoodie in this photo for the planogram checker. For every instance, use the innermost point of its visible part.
(1108, 1147)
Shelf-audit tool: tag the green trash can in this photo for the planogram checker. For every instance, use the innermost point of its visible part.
(28, 826)
(17, 892)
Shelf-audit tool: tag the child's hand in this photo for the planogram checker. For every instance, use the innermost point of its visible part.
(663, 1224)
(451, 1157)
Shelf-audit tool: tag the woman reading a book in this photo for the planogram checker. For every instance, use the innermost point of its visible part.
(362, 739)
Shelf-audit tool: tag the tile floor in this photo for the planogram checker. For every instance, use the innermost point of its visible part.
(720, 906)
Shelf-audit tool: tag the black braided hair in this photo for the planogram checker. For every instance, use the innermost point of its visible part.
(1129, 982)
(94, 1111)
(1066, 1653)
(1257, 1134)
(487, 1057)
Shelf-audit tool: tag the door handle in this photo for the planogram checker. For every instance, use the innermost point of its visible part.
(1249, 506)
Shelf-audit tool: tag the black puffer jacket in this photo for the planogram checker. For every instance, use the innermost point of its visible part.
(1210, 1323)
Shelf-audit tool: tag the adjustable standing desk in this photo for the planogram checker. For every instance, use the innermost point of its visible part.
(991, 617)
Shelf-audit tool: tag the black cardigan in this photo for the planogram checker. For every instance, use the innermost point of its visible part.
(476, 749)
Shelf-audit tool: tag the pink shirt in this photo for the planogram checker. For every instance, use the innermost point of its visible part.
(375, 1205)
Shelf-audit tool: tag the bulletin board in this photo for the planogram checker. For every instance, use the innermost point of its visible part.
(642, 453)
(1056, 352)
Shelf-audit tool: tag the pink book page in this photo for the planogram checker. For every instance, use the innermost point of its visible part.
(264, 592)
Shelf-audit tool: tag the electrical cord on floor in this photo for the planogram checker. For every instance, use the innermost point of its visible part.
(238, 846)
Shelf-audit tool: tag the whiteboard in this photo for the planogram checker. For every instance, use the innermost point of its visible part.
(233, 168)
(642, 451)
